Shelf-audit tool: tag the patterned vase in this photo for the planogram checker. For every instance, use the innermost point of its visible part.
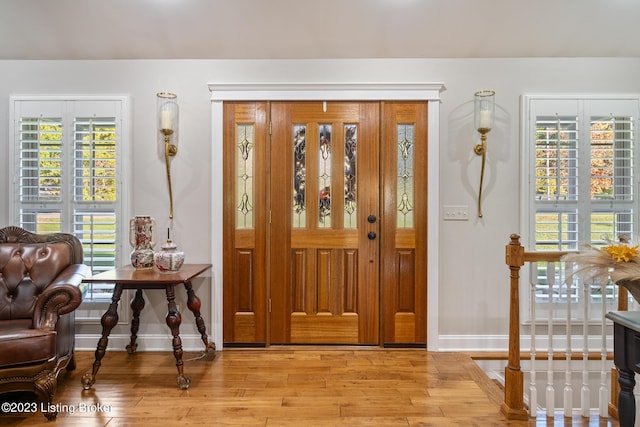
(142, 236)
(169, 259)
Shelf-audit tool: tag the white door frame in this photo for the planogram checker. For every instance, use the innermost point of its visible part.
(430, 92)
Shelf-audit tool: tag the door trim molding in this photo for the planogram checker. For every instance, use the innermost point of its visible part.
(221, 92)
(325, 91)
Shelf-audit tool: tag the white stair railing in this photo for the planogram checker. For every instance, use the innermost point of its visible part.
(569, 338)
(550, 390)
(533, 389)
(568, 384)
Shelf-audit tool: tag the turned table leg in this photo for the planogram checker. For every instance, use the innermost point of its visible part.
(194, 304)
(137, 304)
(173, 321)
(626, 398)
(108, 321)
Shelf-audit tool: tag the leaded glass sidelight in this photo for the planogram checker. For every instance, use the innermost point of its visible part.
(299, 175)
(350, 150)
(405, 165)
(244, 168)
(324, 177)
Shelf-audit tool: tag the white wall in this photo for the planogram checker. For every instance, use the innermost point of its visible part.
(473, 285)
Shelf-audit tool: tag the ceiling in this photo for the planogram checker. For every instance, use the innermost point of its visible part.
(313, 29)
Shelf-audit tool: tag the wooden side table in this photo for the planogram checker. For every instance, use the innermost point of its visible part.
(129, 278)
(626, 356)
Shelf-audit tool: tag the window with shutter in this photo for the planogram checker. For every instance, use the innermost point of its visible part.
(68, 175)
(582, 187)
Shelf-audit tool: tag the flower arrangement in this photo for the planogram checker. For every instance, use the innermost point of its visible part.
(621, 252)
(618, 262)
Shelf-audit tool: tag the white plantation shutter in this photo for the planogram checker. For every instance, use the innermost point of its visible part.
(40, 159)
(95, 192)
(39, 172)
(68, 164)
(556, 171)
(582, 188)
(95, 158)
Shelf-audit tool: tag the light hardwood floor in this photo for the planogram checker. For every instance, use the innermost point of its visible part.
(289, 386)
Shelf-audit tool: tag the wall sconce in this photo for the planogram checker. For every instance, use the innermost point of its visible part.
(168, 127)
(483, 117)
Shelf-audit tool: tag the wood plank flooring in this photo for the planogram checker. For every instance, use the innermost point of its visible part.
(284, 386)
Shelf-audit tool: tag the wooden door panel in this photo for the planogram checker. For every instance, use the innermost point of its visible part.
(245, 223)
(324, 329)
(324, 281)
(326, 290)
(324, 287)
(403, 240)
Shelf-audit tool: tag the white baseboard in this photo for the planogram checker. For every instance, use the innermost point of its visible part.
(497, 343)
(464, 343)
(459, 343)
(148, 342)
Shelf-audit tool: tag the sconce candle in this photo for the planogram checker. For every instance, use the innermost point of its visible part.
(485, 120)
(484, 109)
(168, 131)
(484, 113)
(165, 120)
(167, 111)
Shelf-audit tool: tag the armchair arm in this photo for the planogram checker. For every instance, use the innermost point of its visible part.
(62, 296)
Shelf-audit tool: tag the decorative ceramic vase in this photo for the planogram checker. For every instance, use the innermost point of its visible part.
(169, 259)
(142, 236)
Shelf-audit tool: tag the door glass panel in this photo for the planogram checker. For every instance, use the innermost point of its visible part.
(405, 176)
(299, 175)
(324, 183)
(350, 145)
(244, 167)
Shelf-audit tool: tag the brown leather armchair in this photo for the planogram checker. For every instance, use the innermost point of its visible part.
(40, 287)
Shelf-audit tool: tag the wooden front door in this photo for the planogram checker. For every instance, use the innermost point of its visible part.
(324, 281)
(336, 190)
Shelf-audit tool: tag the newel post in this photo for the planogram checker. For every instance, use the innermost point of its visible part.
(513, 406)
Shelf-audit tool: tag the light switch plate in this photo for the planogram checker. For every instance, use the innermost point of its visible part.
(456, 213)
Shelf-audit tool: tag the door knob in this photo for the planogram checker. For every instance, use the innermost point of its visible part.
(371, 219)
(371, 235)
